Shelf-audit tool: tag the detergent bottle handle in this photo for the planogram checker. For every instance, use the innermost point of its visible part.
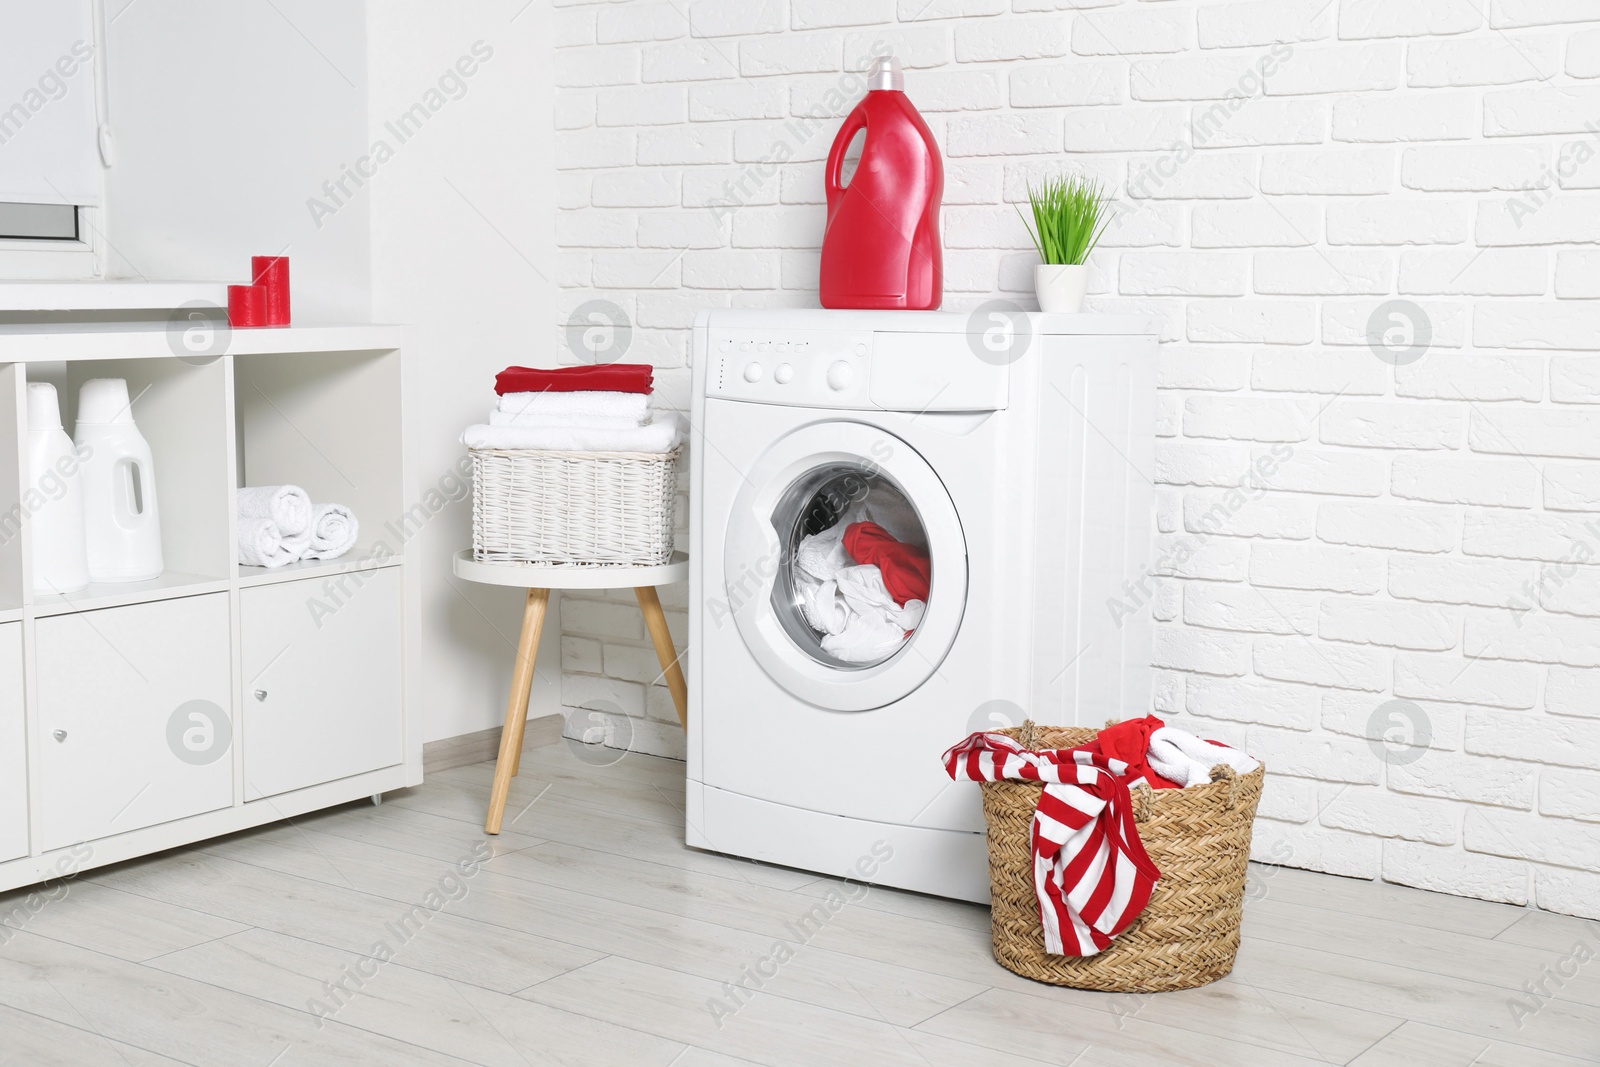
(854, 123)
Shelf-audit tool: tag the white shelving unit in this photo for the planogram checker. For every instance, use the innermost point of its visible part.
(309, 666)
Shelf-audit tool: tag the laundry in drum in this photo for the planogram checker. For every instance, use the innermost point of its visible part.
(857, 570)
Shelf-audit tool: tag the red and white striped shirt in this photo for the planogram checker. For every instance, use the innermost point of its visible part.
(1090, 869)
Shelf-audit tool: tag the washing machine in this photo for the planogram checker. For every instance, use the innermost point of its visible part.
(1015, 451)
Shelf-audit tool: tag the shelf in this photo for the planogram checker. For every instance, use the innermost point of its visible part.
(169, 586)
(80, 296)
(312, 568)
(50, 342)
(328, 422)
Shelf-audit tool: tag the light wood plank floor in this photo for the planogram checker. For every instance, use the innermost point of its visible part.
(587, 934)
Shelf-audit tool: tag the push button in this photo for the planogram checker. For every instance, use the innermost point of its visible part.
(752, 372)
(784, 374)
(840, 376)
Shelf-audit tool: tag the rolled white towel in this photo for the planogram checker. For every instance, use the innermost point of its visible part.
(635, 407)
(660, 435)
(263, 544)
(1182, 757)
(333, 532)
(287, 506)
(539, 419)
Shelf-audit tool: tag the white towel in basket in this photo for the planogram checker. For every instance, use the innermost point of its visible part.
(535, 418)
(286, 505)
(635, 407)
(1181, 757)
(660, 435)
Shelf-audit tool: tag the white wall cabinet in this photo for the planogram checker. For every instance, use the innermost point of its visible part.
(13, 747)
(318, 703)
(129, 721)
(135, 717)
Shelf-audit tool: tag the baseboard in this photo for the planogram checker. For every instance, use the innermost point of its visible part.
(480, 746)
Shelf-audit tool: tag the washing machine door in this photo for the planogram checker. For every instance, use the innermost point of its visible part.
(813, 615)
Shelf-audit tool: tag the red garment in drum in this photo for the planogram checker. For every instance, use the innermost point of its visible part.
(906, 570)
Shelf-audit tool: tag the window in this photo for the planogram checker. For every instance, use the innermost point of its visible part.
(39, 222)
(51, 179)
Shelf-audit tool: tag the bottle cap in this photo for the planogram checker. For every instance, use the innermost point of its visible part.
(885, 74)
(104, 400)
(43, 411)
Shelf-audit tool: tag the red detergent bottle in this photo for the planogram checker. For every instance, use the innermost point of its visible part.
(881, 247)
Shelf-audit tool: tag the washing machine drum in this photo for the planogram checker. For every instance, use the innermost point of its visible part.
(845, 566)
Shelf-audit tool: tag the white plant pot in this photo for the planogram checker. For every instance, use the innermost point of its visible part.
(1060, 287)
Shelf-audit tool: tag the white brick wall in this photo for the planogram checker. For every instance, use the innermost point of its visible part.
(1428, 540)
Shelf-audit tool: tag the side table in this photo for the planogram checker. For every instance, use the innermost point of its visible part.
(539, 579)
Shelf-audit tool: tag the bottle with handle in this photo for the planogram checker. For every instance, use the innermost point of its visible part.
(122, 523)
(881, 246)
(55, 488)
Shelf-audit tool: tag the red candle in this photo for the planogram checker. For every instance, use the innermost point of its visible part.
(247, 305)
(272, 273)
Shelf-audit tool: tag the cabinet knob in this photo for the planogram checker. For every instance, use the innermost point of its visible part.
(59, 735)
(261, 694)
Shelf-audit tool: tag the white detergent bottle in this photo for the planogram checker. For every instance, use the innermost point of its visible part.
(53, 498)
(122, 524)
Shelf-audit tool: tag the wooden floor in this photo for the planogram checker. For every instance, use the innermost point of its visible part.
(591, 935)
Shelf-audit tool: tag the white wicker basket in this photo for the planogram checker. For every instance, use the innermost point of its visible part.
(573, 507)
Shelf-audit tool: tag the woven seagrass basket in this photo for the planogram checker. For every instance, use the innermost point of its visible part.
(573, 507)
(1198, 838)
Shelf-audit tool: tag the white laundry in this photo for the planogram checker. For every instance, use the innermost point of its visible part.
(847, 602)
(821, 557)
(1186, 759)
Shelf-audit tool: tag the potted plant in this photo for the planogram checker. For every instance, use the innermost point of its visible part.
(1069, 215)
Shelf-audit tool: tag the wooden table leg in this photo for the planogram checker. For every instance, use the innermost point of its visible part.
(656, 623)
(506, 764)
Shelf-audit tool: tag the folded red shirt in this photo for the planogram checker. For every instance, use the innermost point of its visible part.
(1130, 742)
(605, 378)
(906, 570)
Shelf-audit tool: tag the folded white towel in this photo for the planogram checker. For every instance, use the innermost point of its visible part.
(537, 418)
(287, 506)
(660, 435)
(333, 532)
(263, 544)
(1186, 759)
(634, 407)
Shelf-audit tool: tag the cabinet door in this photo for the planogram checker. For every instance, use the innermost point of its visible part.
(322, 680)
(135, 717)
(13, 747)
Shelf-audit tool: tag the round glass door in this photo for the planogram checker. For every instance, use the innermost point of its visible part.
(855, 579)
(845, 565)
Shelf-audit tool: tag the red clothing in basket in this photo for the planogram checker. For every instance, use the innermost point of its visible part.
(1130, 742)
(1090, 870)
(602, 378)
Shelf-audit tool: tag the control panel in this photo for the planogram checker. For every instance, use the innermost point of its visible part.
(801, 368)
(886, 370)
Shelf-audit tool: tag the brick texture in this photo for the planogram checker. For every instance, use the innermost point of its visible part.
(1298, 182)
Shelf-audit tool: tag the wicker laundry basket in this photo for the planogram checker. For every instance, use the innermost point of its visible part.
(585, 508)
(1198, 838)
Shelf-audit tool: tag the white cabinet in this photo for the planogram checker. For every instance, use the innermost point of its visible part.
(13, 747)
(128, 716)
(322, 680)
(134, 717)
